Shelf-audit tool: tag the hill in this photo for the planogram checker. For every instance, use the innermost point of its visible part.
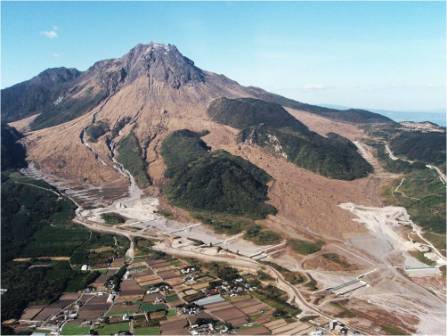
(215, 181)
(13, 153)
(37, 95)
(350, 115)
(428, 147)
(245, 112)
(270, 126)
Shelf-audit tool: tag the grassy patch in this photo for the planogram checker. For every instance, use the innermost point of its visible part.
(420, 256)
(112, 329)
(393, 330)
(150, 308)
(336, 259)
(277, 299)
(438, 240)
(304, 246)
(75, 329)
(171, 298)
(261, 236)
(223, 223)
(423, 195)
(129, 152)
(113, 218)
(294, 278)
(143, 246)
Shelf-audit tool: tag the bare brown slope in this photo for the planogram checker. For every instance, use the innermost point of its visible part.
(156, 107)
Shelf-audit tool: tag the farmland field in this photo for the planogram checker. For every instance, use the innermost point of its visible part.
(112, 329)
(147, 331)
(75, 329)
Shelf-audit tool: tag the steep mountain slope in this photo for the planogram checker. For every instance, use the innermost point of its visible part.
(270, 126)
(349, 115)
(13, 153)
(36, 95)
(428, 147)
(150, 92)
(63, 94)
(245, 112)
(153, 105)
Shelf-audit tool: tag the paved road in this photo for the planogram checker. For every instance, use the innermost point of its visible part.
(442, 177)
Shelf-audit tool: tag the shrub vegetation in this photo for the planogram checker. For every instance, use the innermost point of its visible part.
(129, 152)
(270, 126)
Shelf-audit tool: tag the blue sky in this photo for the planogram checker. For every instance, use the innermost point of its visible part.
(372, 55)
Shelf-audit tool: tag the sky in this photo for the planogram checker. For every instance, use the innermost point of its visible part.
(376, 55)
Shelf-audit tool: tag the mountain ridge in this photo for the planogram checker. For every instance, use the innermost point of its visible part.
(157, 62)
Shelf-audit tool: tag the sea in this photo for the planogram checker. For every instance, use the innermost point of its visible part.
(434, 117)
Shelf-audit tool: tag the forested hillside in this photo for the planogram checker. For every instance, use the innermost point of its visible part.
(37, 225)
(428, 147)
(129, 154)
(213, 181)
(219, 189)
(13, 153)
(272, 127)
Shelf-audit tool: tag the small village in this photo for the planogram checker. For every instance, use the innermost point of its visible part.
(159, 294)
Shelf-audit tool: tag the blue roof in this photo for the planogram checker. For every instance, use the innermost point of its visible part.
(209, 300)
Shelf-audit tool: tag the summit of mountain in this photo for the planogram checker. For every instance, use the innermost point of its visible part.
(148, 93)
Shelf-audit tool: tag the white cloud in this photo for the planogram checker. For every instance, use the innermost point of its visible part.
(315, 87)
(51, 34)
(56, 54)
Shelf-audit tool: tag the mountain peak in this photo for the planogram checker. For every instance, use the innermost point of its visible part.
(160, 62)
(56, 75)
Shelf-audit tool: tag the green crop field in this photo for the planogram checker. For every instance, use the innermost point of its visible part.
(304, 246)
(75, 329)
(112, 329)
(113, 218)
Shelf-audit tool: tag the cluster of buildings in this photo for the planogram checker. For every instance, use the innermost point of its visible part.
(161, 295)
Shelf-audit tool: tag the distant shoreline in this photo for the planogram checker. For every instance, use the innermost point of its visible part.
(437, 118)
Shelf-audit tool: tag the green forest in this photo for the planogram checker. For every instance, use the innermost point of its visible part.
(37, 225)
(428, 147)
(270, 126)
(220, 189)
(129, 154)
